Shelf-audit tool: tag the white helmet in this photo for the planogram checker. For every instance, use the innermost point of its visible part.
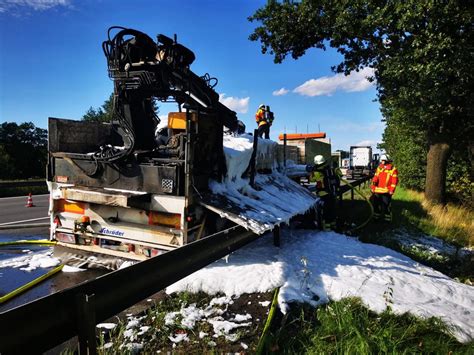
(261, 106)
(319, 160)
(385, 157)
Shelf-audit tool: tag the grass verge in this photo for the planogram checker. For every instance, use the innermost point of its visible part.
(23, 191)
(411, 210)
(420, 221)
(451, 222)
(347, 327)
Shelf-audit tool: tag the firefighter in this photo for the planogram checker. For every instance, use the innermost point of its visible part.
(383, 187)
(327, 183)
(269, 117)
(263, 125)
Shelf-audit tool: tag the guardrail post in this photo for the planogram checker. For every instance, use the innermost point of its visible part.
(276, 236)
(253, 159)
(85, 305)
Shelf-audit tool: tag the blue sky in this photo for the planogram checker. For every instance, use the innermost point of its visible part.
(52, 65)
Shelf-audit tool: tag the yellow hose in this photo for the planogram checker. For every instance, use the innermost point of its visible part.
(367, 200)
(21, 242)
(263, 337)
(30, 284)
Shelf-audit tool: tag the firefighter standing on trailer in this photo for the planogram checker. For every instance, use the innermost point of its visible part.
(383, 187)
(263, 124)
(327, 185)
(269, 117)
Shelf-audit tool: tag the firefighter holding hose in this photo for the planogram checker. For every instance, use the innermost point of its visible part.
(383, 187)
(327, 186)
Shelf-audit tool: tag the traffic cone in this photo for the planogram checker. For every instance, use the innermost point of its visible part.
(29, 201)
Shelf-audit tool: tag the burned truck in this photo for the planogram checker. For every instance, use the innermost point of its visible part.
(128, 189)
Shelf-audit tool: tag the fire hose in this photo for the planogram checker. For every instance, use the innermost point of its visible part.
(367, 200)
(34, 282)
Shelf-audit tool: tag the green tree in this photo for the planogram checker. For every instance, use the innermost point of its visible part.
(23, 150)
(421, 52)
(101, 114)
(105, 112)
(408, 146)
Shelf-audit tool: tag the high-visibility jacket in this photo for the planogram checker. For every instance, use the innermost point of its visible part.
(327, 181)
(260, 117)
(385, 179)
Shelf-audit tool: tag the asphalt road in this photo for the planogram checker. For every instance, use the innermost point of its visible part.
(12, 209)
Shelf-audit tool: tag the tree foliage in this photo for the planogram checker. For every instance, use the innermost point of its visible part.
(101, 114)
(23, 150)
(407, 145)
(105, 112)
(422, 55)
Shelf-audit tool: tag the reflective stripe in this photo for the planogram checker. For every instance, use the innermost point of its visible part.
(387, 182)
(317, 176)
(68, 206)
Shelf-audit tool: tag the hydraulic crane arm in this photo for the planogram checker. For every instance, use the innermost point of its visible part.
(142, 71)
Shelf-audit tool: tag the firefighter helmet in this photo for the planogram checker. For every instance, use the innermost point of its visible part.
(385, 157)
(319, 160)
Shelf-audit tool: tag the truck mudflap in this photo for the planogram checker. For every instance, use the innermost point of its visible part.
(274, 200)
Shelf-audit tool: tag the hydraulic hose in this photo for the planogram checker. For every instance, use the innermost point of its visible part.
(367, 200)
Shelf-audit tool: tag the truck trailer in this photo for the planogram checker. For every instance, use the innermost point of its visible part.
(361, 161)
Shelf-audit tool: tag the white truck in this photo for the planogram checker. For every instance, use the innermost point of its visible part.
(361, 161)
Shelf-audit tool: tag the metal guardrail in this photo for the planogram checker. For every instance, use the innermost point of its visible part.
(346, 188)
(357, 182)
(42, 324)
(5, 184)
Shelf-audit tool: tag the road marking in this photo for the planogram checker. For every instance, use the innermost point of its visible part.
(25, 220)
(11, 198)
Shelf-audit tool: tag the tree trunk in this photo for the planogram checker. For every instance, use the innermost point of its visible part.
(437, 160)
(471, 171)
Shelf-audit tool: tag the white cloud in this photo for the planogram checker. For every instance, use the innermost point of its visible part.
(280, 92)
(235, 103)
(36, 5)
(327, 85)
